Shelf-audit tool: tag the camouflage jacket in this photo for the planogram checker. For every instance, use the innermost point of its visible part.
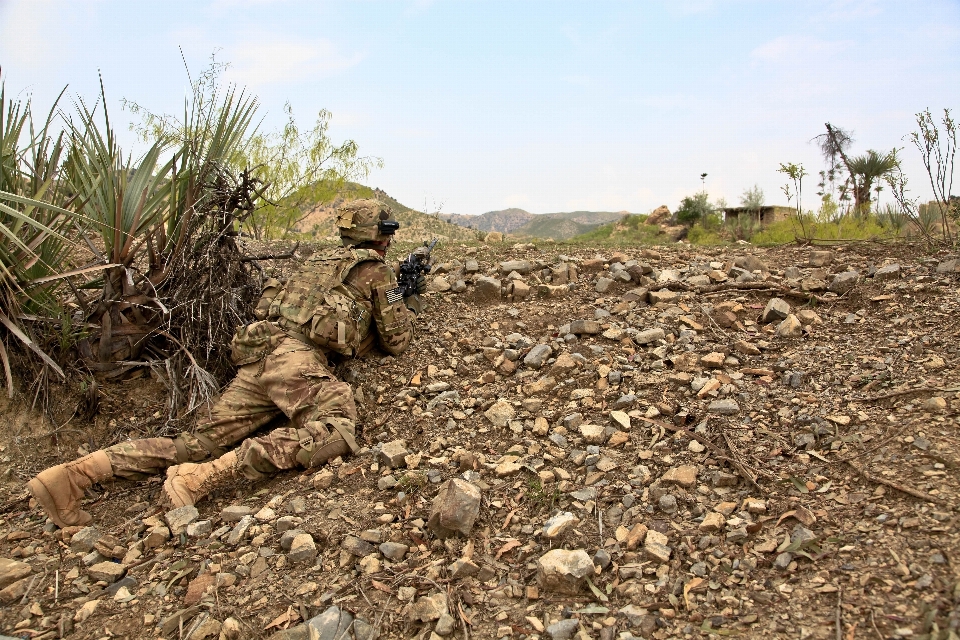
(337, 299)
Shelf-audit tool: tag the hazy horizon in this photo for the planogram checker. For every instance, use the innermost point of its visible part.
(547, 106)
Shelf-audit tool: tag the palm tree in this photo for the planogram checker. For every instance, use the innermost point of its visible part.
(865, 170)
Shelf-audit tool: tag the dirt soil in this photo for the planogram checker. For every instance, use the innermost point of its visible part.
(726, 475)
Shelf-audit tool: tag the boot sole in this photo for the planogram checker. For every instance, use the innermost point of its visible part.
(40, 493)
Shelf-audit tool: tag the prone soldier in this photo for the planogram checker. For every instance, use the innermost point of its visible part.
(339, 302)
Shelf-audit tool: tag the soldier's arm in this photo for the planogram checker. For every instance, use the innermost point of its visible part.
(393, 320)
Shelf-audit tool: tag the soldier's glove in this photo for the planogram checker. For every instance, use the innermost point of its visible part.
(421, 284)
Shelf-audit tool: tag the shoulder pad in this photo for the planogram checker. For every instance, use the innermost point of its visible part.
(362, 255)
(330, 253)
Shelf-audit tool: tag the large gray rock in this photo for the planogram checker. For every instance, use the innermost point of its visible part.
(604, 284)
(394, 550)
(564, 571)
(235, 513)
(820, 258)
(239, 531)
(724, 407)
(332, 624)
(107, 571)
(843, 282)
(563, 629)
(538, 355)
(178, 519)
(455, 509)
(649, 335)
(393, 454)
(949, 266)
(520, 266)
(751, 263)
(302, 549)
(357, 546)
(363, 630)
(888, 272)
(85, 539)
(585, 326)
(500, 413)
(777, 309)
(487, 289)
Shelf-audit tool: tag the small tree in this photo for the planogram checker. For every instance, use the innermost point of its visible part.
(753, 200)
(794, 189)
(862, 171)
(695, 208)
(939, 151)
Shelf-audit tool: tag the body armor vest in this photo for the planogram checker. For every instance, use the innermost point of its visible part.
(315, 303)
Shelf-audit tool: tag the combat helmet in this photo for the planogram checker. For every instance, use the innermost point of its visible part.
(365, 221)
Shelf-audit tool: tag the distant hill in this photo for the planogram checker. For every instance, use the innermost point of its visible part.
(415, 226)
(504, 221)
(518, 222)
(628, 229)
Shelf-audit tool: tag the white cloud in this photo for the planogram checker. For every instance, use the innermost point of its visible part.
(277, 59)
(794, 48)
(221, 5)
(852, 9)
(25, 34)
(419, 6)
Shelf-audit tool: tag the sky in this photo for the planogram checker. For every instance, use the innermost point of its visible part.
(548, 106)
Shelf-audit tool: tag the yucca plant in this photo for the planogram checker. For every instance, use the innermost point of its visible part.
(121, 201)
(32, 227)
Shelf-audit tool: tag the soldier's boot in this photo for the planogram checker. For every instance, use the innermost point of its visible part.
(188, 482)
(59, 489)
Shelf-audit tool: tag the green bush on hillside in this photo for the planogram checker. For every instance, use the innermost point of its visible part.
(706, 236)
(847, 228)
(695, 208)
(630, 229)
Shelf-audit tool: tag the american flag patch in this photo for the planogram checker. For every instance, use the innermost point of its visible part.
(394, 295)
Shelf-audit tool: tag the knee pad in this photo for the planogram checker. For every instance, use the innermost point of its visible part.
(323, 440)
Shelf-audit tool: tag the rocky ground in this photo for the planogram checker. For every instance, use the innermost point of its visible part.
(666, 444)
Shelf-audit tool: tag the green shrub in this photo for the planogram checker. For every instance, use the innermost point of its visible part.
(629, 230)
(695, 208)
(705, 236)
(847, 228)
(742, 227)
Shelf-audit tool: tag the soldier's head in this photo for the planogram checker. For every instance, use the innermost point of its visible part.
(366, 224)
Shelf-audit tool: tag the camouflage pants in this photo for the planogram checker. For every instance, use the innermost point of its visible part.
(292, 381)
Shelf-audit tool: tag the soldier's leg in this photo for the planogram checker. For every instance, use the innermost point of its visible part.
(295, 379)
(320, 407)
(240, 410)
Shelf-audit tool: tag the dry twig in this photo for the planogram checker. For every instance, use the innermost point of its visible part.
(899, 487)
(741, 468)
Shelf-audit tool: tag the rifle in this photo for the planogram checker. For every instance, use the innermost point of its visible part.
(413, 267)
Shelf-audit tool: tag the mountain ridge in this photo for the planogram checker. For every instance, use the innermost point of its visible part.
(515, 221)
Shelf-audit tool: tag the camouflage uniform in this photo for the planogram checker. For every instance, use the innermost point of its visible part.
(339, 301)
